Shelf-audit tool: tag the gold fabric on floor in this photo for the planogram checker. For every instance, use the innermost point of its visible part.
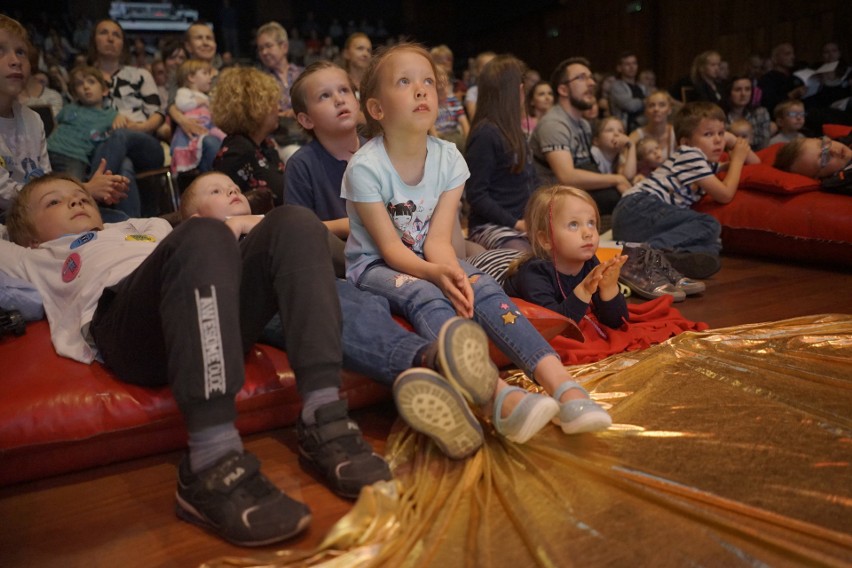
(731, 447)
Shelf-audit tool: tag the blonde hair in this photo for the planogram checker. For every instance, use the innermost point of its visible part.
(782, 108)
(370, 81)
(699, 62)
(644, 147)
(19, 222)
(248, 94)
(189, 68)
(189, 197)
(274, 29)
(538, 216)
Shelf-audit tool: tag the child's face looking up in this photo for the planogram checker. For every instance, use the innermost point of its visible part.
(88, 90)
(14, 66)
(62, 207)
(218, 197)
(611, 135)
(653, 154)
(407, 96)
(331, 103)
(575, 230)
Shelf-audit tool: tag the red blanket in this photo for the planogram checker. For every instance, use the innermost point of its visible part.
(651, 322)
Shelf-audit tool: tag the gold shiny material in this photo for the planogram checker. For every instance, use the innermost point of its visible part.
(731, 447)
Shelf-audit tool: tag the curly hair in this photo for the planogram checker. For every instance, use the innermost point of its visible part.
(242, 99)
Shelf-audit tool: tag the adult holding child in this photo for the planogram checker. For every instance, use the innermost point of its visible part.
(562, 141)
(738, 105)
(658, 110)
(133, 92)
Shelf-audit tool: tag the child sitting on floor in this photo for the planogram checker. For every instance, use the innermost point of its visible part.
(403, 189)
(191, 302)
(194, 78)
(373, 343)
(649, 157)
(612, 150)
(790, 119)
(658, 211)
(23, 149)
(81, 125)
(562, 273)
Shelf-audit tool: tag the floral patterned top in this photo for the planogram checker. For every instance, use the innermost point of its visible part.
(257, 169)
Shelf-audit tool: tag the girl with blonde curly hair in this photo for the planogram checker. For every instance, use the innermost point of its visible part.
(245, 106)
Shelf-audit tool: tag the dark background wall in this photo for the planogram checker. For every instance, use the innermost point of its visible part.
(665, 34)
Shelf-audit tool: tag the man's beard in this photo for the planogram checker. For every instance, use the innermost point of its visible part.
(580, 104)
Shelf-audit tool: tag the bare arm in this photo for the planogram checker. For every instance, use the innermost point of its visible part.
(338, 227)
(724, 191)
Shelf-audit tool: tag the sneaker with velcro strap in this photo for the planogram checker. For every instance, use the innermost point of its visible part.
(235, 501)
(334, 450)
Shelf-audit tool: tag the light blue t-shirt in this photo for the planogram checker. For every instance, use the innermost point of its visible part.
(370, 177)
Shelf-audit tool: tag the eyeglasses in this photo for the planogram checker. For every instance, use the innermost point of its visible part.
(796, 114)
(824, 152)
(585, 77)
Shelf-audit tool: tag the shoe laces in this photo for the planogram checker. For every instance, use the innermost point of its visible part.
(661, 263)
(650, 262)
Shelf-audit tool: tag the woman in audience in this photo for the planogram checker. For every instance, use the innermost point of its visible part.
(132, 146)
(502, 176)
(705, 77)
(356, 56)
(738, 105)
(658, 109)
(539, 101)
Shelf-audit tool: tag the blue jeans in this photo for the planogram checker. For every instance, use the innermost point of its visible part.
(425, 306)
(60, 163)
(643, 218)
(126, 152)
(373, 343)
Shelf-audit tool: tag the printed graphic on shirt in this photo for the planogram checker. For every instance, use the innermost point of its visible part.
(211, 341)
(411, 221)
(83, 239)
(71, 267)
(141, 238)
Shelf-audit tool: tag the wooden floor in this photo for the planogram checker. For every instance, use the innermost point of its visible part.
(122, 515)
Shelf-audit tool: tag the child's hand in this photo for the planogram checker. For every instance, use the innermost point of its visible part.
(454, 284)
(241, 224)
(107, 187)
(740, 150)
(120, 121)
(610, 271)
(620, 141)
(585, 289)
(730, 139)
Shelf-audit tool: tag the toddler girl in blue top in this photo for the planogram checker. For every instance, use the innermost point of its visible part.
(403, 189)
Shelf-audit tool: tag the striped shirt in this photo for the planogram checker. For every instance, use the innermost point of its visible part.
(673, 182)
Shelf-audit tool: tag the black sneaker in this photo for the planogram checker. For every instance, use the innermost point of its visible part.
(643, 274)
(698, 265)
(335, 450)
(427, 403)
(233, 500)
(689, 286)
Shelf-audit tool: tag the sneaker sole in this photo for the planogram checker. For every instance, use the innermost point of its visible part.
(694, 287)
(589, 422)
(651, 294)
(463, 357)
(190, 514)
(429, 405)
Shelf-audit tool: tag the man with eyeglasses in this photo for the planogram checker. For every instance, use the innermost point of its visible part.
(562, 141)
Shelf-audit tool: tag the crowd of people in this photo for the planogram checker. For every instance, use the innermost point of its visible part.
(370, 180)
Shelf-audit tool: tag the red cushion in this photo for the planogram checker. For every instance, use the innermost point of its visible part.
(764, 177)
(836, 130)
